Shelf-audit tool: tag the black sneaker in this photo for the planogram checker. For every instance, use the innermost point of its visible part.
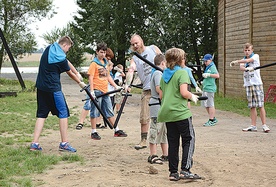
(120, 133)
(95, 136)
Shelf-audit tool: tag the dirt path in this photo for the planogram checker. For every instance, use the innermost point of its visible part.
(224, 154)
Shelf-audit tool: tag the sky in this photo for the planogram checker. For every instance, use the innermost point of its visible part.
(65, 9)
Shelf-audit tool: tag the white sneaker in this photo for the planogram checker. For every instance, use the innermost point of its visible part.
(265, 128)
(250, 129)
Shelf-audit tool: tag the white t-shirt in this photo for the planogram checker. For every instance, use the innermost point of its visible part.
(253, 78)
(118, 76)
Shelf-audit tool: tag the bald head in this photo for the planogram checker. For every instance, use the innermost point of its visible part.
(137, 43)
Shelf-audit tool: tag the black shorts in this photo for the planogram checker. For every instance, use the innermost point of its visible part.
(53, 102)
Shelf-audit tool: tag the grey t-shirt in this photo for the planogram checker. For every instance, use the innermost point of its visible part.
(144, 69)
(154, 81)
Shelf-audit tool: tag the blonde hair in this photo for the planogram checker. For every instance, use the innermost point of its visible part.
(120, 66)
(247, 45)
(174, 56)
(66, 40)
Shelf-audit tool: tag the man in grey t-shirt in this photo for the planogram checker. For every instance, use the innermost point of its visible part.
(144, 71)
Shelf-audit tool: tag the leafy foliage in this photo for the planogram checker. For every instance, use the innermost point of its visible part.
(113, 22)
(14, 16)
(190, 25)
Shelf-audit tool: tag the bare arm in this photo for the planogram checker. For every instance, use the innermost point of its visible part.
(90, 78)
(216, 76)
(242, 68)
(123, 74)
(73, 69)
(157, 50)
(159, 91)
(111, 81)
(73, 76)
(73, 72)
(129, 75)
(184, 91)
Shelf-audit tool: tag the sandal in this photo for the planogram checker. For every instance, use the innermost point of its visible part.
(164, 158)
(174, 177)
(98, 126)
(102, 127)
(79, 126)
(189, 175)
(153, 159)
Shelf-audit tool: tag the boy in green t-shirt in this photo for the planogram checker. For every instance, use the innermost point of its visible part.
(176, 114)
(209, 88)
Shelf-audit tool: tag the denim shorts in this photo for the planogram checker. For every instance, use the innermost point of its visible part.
(105, 105)
(87, 104)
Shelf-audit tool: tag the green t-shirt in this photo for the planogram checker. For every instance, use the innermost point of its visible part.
(209, 84)
(173, 105)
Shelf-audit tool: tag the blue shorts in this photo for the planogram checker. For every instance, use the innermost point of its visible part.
(104, 104)
(87, 104)
(53, 102)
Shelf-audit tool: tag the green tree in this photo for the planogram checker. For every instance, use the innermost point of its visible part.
(15, 15)
(187, 24)
(114, 21)
(192, 26)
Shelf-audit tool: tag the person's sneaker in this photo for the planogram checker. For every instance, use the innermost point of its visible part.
(215, 120)
(95, 136)
(188, 175)
(209, 124)
(266, 128)
(120, 133)
(66, 147)
(141, 145)
(250, 129)
(35, 147)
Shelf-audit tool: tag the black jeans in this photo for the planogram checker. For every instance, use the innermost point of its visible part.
(185, 130)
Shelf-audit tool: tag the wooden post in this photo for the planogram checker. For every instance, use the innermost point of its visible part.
(12, 60)
(251, 21)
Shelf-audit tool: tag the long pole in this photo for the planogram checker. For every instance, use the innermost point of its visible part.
(12, 60)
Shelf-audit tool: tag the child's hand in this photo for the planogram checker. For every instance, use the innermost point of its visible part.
(206, 75)
(233, 63)
(194, 98)
(198, 90)
(82, 84)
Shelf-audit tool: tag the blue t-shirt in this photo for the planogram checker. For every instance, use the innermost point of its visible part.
(48, 77)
